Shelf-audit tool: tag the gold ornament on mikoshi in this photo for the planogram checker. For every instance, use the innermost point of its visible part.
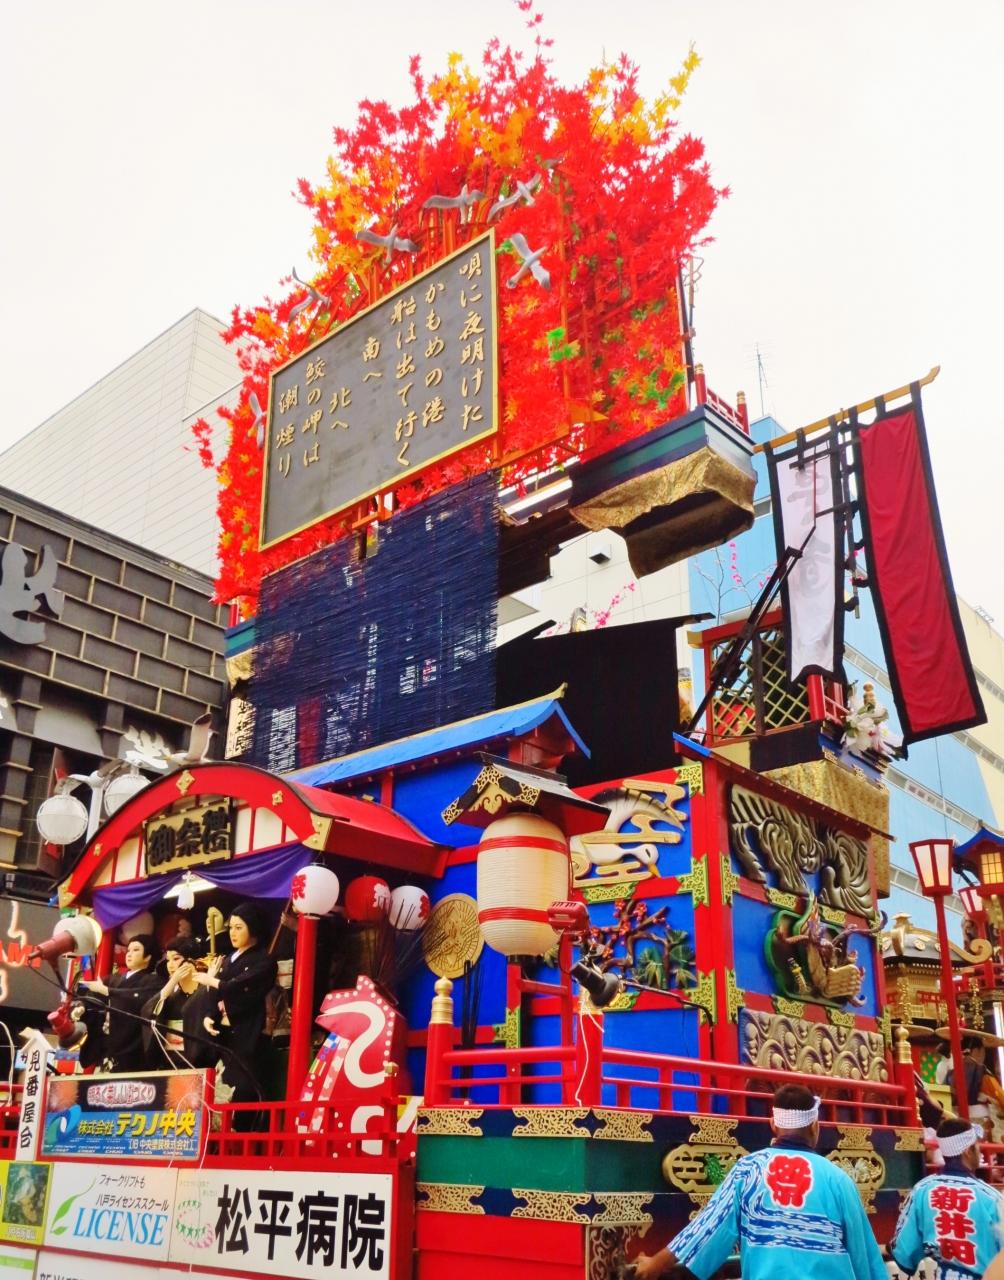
(452, 937)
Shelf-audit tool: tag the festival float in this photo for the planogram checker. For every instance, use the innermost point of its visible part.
(534, 940)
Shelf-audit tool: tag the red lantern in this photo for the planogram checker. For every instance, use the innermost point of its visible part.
(367, 899)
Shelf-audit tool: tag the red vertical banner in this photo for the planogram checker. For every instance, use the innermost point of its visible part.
(929, 668)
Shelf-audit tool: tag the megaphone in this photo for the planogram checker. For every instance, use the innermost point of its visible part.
(69, 1031)
(74, 935)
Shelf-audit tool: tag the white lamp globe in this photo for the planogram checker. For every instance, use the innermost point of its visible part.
(61, 819)
(409, 908)
(121, 789)
(314, 891)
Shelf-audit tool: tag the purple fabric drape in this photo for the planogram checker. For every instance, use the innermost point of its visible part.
(258, 875)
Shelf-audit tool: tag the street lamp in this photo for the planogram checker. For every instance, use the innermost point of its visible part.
(933, 860)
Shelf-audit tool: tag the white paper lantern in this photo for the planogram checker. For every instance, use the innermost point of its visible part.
(314, 891)
(409, 908)
(523, 867)
(121, 789)
(61, 819)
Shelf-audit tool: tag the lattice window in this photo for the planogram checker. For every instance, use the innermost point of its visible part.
(992, 870)
(758, 698)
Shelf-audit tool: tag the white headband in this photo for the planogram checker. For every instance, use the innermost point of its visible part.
(796, 1119)
(959, 1142)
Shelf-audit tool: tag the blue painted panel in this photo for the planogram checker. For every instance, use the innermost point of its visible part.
(751, 922)
(422, 797)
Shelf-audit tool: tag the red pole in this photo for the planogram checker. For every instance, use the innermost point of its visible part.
(948, 991)
(440, 1040)
(904, 1074)
(302, 1013)
(106, 954)
(589, 1056)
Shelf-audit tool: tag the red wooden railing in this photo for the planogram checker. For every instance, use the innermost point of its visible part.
(593, 1074)
(257, 1134)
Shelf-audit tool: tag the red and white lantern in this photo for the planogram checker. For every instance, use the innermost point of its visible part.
(367, 899)
(523, 866)
(314, 891)
(409, 908)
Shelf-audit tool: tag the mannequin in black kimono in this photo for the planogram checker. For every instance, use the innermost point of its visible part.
(124, 995)
(170, 1023)
(237, 988)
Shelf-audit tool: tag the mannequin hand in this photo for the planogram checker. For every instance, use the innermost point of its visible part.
(206, 980)
(215, 965)
(95, 984)
(208, 1025)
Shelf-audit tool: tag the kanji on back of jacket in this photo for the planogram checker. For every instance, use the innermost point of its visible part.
(485, 946)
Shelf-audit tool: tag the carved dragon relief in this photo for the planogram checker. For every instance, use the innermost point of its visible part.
(769, 837)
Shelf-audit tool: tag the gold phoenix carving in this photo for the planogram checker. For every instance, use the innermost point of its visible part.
(767, 836)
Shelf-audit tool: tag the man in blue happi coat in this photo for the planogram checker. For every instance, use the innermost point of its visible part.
(793, 1213)
(951, 1216)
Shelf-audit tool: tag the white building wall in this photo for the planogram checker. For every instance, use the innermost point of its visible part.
(592, 572)
(121, 455)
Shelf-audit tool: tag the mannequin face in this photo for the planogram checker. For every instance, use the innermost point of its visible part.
(135, 957)
(240, 934)
(174, 962)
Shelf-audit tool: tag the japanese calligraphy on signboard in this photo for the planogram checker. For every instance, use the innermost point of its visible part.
(282, 1223)
(154, 1116)
(401, 385)
(194, 836)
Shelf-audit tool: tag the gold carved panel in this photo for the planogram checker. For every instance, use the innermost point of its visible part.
(697, 1166)
(550, 1122)
(778, 1042)
(769, 838)
(447, 1197)
(860, 1161)
(453, 1122)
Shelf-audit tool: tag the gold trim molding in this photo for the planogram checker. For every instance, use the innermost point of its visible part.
(450, 1122)
(448, 1197)
(624, 1126)
(550, 1122)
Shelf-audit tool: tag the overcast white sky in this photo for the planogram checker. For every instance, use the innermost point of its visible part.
(149, 151)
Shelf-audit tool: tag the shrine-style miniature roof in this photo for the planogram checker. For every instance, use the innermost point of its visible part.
(301, 815)
(983, 839)
(502, 785)
(449, 739)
